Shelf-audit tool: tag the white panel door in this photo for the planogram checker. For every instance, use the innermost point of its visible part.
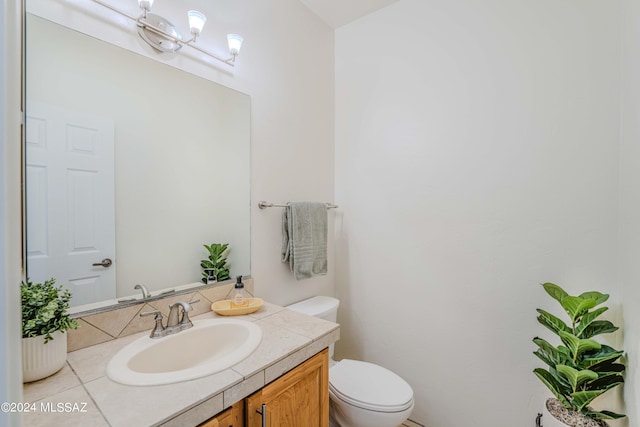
(70, 201)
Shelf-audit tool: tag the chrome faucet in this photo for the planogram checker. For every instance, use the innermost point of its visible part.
(175, 323)
(145, 292)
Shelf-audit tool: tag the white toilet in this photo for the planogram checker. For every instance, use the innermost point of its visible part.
(361, 394)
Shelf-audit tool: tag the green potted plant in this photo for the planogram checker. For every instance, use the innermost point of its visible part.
(580, 368)
(215, 267)
(45, 321)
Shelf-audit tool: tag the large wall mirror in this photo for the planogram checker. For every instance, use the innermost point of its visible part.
(132, 161)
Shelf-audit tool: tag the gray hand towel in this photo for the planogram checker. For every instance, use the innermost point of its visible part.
(304, 238)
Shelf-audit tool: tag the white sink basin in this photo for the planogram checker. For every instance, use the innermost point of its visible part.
(210, 346)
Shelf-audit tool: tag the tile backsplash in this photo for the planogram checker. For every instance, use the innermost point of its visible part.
(120, 322)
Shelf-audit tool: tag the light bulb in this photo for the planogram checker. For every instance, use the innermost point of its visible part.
(145, 5)
(235, 43)
(196, 21)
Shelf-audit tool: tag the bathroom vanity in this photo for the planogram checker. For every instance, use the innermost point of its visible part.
(298, 398)
(287, 372)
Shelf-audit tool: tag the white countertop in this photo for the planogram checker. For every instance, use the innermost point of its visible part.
(82, 395)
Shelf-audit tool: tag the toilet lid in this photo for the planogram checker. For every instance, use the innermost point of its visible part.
(369, 386)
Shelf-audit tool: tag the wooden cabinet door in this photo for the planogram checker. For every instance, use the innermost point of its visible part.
(298, 398)
(232, 417)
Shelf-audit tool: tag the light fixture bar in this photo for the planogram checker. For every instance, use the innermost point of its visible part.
(143, 23)
(228, 61)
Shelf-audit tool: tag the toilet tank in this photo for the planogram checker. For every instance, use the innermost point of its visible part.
(323, 307)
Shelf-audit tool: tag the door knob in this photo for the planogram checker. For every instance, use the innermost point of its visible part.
(104, 263)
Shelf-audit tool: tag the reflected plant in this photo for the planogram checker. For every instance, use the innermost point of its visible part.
(44, 309)
(217, 261)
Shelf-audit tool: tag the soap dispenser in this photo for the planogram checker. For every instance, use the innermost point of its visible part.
(239, 296)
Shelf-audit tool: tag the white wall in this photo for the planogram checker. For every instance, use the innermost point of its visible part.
(286, 66)
(10, 225)
(630, 201)
(473, 163)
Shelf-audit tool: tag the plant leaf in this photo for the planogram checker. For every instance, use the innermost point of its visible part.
(553, 385)
(576, 306)
(563, 381)
(551, 322)
(598, 327)
(598, 296)
(602, 360)
(605, 381)
(555, 291)
(576, 377)
(581, 399)
(578, 346)
(603, 415)
(587, 319)
(550, 355)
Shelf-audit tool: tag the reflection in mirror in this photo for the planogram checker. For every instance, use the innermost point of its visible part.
(132, 166)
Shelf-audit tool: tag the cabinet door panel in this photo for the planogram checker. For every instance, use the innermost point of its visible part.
(298, 402)
(232, 417)
(298, 398)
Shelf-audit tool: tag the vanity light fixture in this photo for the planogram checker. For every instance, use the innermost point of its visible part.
(163, 36)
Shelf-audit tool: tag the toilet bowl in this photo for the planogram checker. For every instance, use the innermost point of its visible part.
(361, 394)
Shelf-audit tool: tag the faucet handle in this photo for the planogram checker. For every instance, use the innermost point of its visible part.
(158, 331)
(149, 313)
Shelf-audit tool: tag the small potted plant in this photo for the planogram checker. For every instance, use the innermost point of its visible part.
(44, 322)
(215, 268)
(580, 369)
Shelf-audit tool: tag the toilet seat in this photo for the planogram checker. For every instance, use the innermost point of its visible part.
(369, 386)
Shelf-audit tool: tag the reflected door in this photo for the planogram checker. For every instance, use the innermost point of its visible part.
(70, 201)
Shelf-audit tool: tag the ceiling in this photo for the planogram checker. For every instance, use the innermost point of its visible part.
(337, 13)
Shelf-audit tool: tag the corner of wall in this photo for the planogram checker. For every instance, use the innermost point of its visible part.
(10, 214)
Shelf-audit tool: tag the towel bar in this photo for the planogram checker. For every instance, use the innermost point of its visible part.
(263, 205)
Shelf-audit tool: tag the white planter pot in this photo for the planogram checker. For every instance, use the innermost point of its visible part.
(40, 360)
(549, 420)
